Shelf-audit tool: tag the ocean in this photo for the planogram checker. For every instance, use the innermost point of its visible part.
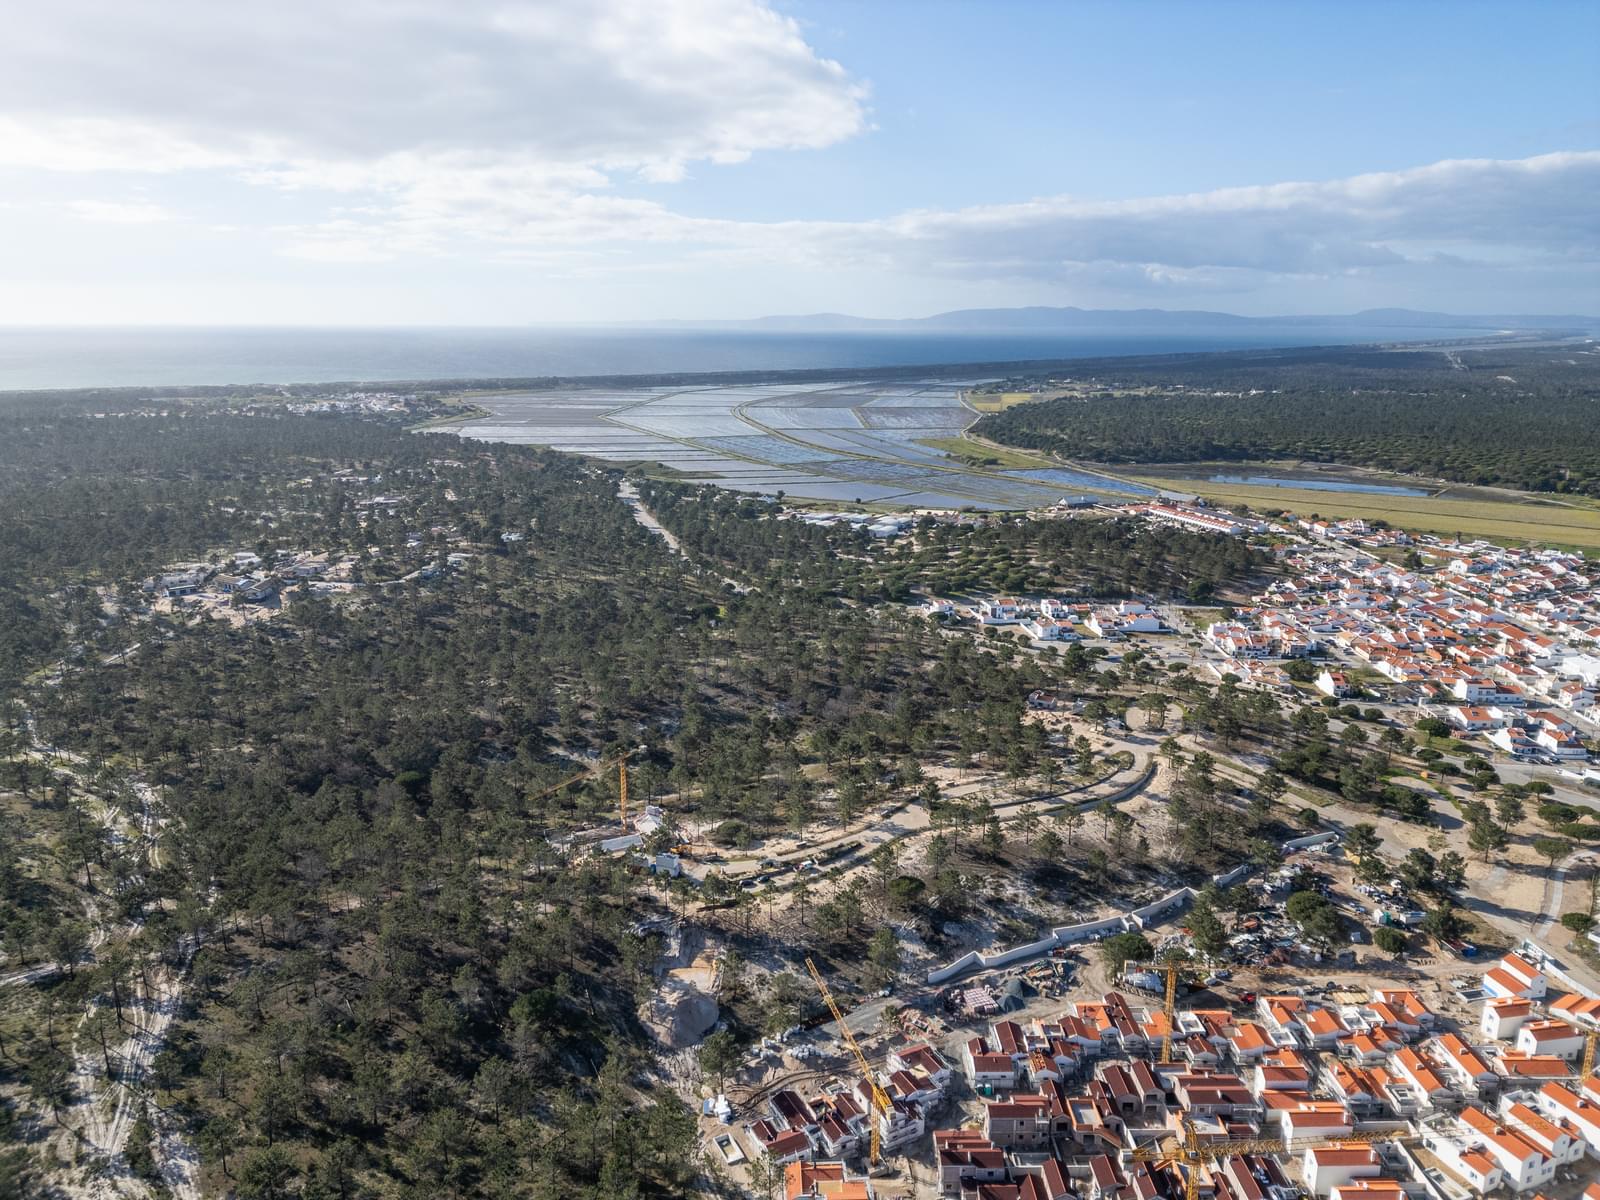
(34, 358)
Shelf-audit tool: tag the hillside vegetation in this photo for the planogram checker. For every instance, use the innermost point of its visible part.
(1519, 418)
(326, 826)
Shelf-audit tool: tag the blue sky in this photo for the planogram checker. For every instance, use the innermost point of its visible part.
(977, 104)
(500, 161)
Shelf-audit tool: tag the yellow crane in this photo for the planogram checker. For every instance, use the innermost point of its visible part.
(881, 1104)
(622, 790)
(589, 772)
(1190, 1153)
(1170, 970)
(1589, 1044)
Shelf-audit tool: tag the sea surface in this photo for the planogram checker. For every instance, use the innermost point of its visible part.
(48, 357)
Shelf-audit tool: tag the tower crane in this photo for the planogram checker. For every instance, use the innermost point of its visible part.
(881, 1104)
(1170, 970)
(1587, 1065)
(621, 760)
(1190, 1153)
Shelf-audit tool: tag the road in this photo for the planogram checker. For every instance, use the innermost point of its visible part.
(629, 495)
(910, 819)
(1555, 889)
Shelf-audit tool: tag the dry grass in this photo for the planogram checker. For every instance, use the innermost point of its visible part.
(1000, 401)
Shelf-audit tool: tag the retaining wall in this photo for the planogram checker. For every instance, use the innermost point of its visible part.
(1071, 935)
(1316, 839)
(1134, 920)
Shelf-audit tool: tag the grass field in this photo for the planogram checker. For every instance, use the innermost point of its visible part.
(467, 412)
(987, 454)
(1577, 526)
(999, 401)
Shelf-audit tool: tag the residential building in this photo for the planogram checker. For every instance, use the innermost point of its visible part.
(1513, 975)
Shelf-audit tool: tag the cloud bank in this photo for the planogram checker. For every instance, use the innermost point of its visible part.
(540, 132)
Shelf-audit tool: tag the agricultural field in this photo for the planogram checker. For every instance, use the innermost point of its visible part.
(1568, 524)
(993, 402)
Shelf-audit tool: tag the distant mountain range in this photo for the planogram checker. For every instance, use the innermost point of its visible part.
(1039, 319)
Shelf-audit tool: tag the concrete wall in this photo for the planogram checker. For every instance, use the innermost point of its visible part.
(1069, 935)
(1171, 902)
(1030, 950)
(1305, 843)
(1228, 878)
(970, 961)
(1139, 918)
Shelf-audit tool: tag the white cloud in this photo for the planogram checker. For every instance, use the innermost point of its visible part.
(620, 85)
(1480, 211)
(503, 130)
(500, 120)
(120, 212)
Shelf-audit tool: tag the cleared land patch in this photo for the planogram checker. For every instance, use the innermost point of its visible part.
(1000, 401)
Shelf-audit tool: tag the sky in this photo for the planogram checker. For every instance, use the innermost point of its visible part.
(495, 162)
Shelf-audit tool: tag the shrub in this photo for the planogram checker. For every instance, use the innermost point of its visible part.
(1390, 940)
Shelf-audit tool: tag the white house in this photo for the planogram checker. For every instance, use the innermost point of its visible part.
(1001, 611)
(1475, 719)
(1333, 683)
(1524, 1164)
(1550, 1037)
(1466, 1157)
(1048, 629)
(1327, 1167)
(1559, 744)
(1515, 742)
(1424, 1077)
(1503, 1016)
(933, 606)
(1471, 1073)
(1471, 689)
(1580, 1109)
(1564, 1145)
(1515, 976)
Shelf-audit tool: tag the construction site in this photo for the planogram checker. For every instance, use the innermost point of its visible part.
(1259, 1075)
(1274, 1066)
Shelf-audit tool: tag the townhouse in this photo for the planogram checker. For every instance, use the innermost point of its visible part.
(1524, 1166)
(1514, 976)
(1560, 1141)
(824, 1181)
(1550, 1037)
(1574, 1106)
(1464, 1067)
(1504, 1015)
(1327, 1167)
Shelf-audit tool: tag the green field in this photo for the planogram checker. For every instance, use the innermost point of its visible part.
(1554, 524)
(987, 453)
